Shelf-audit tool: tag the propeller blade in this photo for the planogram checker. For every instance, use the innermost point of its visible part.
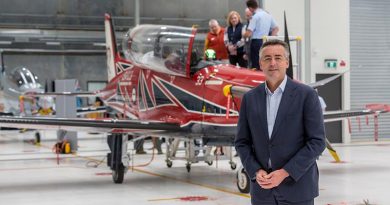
(332, 151)
(290, 72)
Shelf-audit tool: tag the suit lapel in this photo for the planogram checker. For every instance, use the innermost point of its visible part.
(285, 103)
(261, 108)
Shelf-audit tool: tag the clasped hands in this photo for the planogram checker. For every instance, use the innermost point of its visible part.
(232, 49)
(271, 180)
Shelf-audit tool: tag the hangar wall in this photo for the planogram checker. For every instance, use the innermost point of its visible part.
(75, 23)
(330, 40)
(49, 67)
(354, 31)
(323, 24)
(324, 27)
(88, 14)
(370, 58)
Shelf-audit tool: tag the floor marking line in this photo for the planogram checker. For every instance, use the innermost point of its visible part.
(193, 183)
(168, 177)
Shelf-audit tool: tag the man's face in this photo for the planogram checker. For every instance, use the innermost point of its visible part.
(274, 63)
(214, 28)
(248, 15)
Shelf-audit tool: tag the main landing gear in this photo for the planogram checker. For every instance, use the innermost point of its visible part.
(118, 159)
(195, 151)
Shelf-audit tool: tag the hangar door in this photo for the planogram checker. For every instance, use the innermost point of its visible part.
(370, 62)
(331, 93)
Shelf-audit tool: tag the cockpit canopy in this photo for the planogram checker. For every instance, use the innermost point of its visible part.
(168, 49)
(23, 78)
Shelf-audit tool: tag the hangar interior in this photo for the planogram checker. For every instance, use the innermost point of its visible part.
(62, 39)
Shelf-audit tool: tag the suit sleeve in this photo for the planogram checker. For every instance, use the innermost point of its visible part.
(244, 144)
(314, 137)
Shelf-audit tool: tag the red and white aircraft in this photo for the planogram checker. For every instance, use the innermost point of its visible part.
(161, 84)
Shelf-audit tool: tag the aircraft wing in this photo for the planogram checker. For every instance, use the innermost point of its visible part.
(372, 109)
(55, 94)
(325, 81)
(330, 116)
(89, 125)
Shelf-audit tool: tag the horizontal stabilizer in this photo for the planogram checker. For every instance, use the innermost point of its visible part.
(90, 125)
(330, 116)
(325, 81)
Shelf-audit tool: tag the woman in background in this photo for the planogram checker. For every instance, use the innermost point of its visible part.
(234, 40)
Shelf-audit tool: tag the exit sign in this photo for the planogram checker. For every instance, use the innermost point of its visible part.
(330, 63)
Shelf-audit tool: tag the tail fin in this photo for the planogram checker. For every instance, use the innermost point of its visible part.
(111, 48)
(290, 72)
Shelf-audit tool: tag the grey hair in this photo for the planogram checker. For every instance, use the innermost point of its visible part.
(275, 42)
(213, 22)
(247, 10)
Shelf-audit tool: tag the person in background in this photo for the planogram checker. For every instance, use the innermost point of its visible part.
(260, 25)
(157, 144)
(215, 40)
(234, 40)
(322, 102)
(280, 134)
(139, 146)
(98, 103)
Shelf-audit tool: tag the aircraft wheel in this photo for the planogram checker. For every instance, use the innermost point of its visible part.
(209, 163)
(188, 167)
(169, 163)
(233, 165)
(242, 181)
(118, 175)
(117, 167)
(37, 138)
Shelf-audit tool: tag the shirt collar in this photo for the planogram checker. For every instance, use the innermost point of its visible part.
(282, 86)
(258, 9)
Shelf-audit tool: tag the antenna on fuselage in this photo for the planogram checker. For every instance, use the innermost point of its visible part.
(2, 69)
(290, 72)
(2, 62)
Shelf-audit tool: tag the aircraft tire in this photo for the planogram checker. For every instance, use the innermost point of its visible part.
(118, 169)
(37, 138)
(118, 175)
(243, 181)
(169, 163)
(233, 165)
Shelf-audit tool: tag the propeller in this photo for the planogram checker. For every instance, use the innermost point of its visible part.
(290, 72)
(332, 151)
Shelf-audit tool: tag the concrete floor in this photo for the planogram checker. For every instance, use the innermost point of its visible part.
(30, 175)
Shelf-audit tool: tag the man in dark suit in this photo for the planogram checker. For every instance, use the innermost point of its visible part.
(280, 134)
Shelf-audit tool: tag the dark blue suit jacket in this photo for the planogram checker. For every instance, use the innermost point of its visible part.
(297, 139)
